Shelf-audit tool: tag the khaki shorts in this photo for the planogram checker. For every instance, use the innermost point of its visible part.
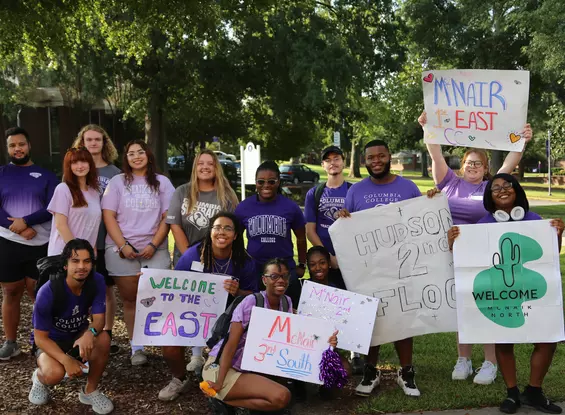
(211, 372)
(120, 267)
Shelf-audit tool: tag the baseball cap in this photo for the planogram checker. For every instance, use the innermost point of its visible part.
(331, 149)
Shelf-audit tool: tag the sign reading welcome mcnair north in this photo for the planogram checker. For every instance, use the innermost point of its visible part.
(399, 254)
(476, 108)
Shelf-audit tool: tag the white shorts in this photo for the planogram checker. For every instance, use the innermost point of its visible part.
(119, 267)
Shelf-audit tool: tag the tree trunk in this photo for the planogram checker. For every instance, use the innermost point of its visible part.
(354, 170)
(424, 163)
(154, 132)
(521, 170)
(3, 150)
(496, 161)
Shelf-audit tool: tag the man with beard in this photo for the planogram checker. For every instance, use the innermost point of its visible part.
(322, 204)
(64, 336)
(382, 188)
(25, 225)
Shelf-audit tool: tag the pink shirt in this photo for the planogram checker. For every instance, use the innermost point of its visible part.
(138, 208)
(83, 221)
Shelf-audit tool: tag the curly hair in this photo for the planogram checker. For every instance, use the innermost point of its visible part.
(109, 152)
(152, 170)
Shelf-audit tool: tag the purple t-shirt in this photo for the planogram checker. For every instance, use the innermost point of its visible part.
(366, 194)
(528, 216)
(246, 275)
(331, 201)
(74, 319)
(83, 221)
(138, 208)
(465, 199)
(25, 193)
(268, 226)
(242, 314)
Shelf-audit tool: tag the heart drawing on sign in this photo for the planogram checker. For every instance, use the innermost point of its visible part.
(514, 138)
(472, 137)
(429, 77)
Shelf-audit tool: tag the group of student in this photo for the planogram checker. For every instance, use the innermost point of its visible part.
(106, 225)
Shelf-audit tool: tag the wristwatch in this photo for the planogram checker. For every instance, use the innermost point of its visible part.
(93, 331)
(301, 265)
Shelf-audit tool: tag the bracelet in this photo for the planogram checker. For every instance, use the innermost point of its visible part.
(93, 331)
(123, 246)
(153, 246)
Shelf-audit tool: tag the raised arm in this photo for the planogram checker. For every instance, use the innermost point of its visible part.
(513, 158)
(439, 166)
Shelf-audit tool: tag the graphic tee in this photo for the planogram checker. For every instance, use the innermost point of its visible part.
(268, 226)
(138, 208)
(245, 275)
(104, 175)
(331, 202)
(465, 199)
(73, 319)
(83, 221)
(25, 192)
(366, 194)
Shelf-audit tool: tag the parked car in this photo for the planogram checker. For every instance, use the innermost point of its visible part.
(225, 156)
(298, 173)
(176, 162)
(231, 172)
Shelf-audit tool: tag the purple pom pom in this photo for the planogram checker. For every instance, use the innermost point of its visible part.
(332, 372)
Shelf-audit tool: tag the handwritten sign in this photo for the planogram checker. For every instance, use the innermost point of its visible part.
(509, 289)
(399, 254)
(177, 308)
(352, 314)
(286, 345)
(476, 108)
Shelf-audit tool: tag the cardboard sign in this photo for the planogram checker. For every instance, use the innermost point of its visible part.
(286, 345)
(177, 308)
(476, 108)
(509, 289)
(352, 314)
(399, 254)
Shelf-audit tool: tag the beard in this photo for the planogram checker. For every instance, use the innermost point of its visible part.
(20, 161)
(381, 175)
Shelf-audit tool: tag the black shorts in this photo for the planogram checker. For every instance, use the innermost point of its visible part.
(18, 261)
(101, 268)
(65, 345)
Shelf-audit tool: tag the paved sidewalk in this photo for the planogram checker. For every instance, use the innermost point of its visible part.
(524, 410)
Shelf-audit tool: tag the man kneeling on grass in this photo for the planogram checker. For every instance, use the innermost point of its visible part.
(64, 338)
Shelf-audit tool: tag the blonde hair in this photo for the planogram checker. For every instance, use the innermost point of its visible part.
(226, 195)
(482, 155)
(109, 152)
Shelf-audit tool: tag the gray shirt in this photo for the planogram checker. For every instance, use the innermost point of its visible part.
(195, 224)
(104, 175)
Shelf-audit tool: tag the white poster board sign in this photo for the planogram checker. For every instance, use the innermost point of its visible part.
(177, 308)
(509, 289)
(399, 254)
(250, 160)
(476, 108)
(351, 313)
(286, 345)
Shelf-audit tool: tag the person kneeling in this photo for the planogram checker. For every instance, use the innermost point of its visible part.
(63, 336)
(224, 375)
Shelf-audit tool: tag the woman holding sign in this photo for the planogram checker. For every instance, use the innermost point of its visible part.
(465, 197)
(221, 252)
(505, 200)
(223, 372)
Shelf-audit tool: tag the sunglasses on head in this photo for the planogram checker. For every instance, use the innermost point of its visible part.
(262, 182)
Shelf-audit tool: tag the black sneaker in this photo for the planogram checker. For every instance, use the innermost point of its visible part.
(538, 401)
(220, 408)
(371, 379)
(357, 365)
(509, 406)
(406, 381)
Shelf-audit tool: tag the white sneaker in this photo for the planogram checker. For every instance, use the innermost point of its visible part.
(463, 369)
(138, 358)
(173, 389)
(196, 363)
(371, 379)
(486, 374)
(97, 400)
(406, 381)
(39, 393)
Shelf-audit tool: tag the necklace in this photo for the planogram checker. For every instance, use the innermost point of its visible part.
(221, 269)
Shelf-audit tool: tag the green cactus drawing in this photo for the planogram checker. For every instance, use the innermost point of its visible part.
(500, 291)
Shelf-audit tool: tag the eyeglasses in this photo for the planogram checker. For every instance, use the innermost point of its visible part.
(135, 153)
(261, 182)
(276, 277)
(226, 228)
(497, 188)
(472, 163)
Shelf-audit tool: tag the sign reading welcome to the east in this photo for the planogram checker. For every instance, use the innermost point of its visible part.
(508, 283)
(399, 254)
(177, 308)
(476, 108)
